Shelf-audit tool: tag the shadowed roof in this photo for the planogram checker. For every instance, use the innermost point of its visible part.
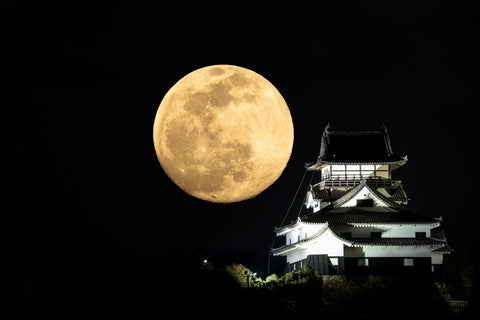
(361, 147)
(367, 215)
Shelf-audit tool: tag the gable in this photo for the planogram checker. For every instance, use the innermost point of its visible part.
(360, 195)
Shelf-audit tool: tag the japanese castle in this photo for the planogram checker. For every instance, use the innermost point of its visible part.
(355, 219)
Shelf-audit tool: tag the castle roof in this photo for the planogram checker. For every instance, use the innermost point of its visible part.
(368, 215)
(364, 242)
(356, 147)
(366, 183)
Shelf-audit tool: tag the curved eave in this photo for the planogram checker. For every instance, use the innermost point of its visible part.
(445, 249)
(392, 224)
(289, 247)
(323, 163)
(285, 229)
(365, 184)
(398, 242)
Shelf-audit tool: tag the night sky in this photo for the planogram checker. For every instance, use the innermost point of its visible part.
(99, 201)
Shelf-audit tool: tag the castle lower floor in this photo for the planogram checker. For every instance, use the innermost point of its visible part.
(326, 265)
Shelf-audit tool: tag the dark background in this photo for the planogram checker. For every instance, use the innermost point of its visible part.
(90, 197)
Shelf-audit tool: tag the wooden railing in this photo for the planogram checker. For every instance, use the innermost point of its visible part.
(352, 181)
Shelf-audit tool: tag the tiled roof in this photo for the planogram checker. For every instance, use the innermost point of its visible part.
(442, 250)
(327, 194)
(343, 147)
(399, 194)
(365, 183)
(367, 215)
(395, 242)
(367, 242)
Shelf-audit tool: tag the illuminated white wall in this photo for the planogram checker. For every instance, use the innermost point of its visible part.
(406, 231)
(302, 231)
(396, 251)
(310, 202)
(297, 255)
(326, 244)
(388, 231)
(364, 194)
(437, 258)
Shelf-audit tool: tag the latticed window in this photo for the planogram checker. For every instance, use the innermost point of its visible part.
(408, 262)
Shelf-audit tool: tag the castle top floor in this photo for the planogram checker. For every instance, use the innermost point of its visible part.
(355, 153)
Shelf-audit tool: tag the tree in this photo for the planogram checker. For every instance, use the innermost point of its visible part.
(243, 276)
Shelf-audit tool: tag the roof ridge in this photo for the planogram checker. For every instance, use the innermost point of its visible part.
(367, 215)
(384, 199)
(350, 194)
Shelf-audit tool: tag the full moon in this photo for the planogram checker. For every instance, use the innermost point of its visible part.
(223, 134)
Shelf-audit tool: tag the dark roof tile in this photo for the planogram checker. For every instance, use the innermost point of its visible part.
(377, 215)
(344, 147)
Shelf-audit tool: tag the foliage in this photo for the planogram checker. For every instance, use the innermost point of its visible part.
(243, 276)
(304, 292)
(306, 276)
(273, 278)
(237, 272)
(373, 297)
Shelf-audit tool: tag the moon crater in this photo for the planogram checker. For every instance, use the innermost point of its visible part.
(223, 133)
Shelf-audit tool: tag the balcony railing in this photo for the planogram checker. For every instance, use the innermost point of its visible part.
(352, 181)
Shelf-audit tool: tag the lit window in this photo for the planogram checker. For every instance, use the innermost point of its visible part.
(408, 262)
(362, 262)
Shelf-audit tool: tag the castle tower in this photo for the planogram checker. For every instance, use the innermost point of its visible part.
(357, 221)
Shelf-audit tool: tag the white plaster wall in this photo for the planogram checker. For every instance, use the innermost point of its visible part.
(296, 255)
(406, 231)
(288, 238)
(309, 202)
(358, 232)
(364, 194)
(396, 251)
(311, 229)
(326, 244)
(437, 258)
(301, 230)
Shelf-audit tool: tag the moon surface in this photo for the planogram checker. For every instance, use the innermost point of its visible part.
(223, 133)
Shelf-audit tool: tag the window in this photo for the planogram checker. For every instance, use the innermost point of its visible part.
(375, 234)
(298, 238)
(363, 262)
(364, 202)
(408, 262)
(420, 235)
